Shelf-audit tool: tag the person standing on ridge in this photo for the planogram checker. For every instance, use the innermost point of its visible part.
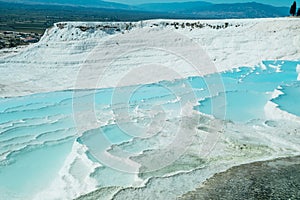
(293, 9)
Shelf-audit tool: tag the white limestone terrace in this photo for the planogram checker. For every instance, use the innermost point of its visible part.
(53, 63)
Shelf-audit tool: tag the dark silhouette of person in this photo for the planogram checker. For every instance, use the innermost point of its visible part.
(293, 9)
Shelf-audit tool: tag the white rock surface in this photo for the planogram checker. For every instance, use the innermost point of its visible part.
(53, 63)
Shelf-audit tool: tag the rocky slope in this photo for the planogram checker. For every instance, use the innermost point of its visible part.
(54, 62)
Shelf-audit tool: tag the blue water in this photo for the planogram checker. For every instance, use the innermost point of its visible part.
(289, 101)
(37, 131)
(249, 89)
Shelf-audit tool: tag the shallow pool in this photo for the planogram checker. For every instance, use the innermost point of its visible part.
(38, 132)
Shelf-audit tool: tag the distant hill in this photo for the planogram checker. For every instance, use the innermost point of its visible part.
(81, 3)
(174, 7)
(208, 10)
(191, 10)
